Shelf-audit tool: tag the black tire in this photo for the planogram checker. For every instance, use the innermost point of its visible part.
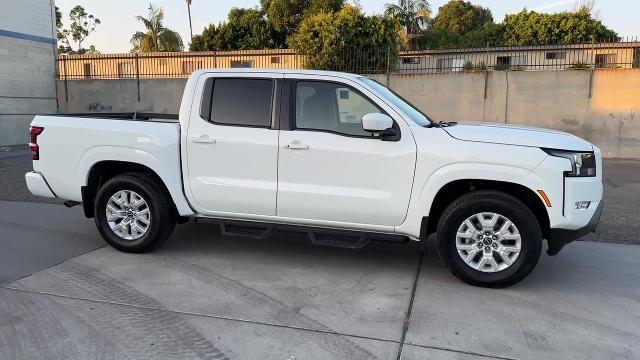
(161, 209)
(500, 203)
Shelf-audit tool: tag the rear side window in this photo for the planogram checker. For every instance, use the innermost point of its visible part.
(241, 102)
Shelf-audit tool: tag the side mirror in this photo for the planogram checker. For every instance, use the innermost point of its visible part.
(376, 122)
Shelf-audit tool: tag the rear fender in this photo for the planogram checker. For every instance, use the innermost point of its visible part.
(168, 170)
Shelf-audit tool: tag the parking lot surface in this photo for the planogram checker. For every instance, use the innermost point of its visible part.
(206, 296)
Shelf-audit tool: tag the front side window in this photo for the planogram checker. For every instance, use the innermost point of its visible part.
(241, 102)
(331, 107)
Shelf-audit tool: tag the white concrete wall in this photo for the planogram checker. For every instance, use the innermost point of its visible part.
(27, 66)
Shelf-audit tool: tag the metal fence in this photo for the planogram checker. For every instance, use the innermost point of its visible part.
(622, 54)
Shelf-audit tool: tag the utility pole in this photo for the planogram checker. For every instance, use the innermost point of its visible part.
(190, 27)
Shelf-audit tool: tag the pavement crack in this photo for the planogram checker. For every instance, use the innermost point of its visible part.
(407, 319)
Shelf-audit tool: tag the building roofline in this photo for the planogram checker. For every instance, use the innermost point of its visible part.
(284, 52)
(588, 46)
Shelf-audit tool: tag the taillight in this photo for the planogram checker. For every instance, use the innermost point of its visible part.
(33, 144)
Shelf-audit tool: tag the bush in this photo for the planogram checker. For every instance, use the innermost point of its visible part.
(579, 65)
(346, 41)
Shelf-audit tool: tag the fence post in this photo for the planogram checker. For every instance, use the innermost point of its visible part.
(388, 65)
(138, 76)
(66, 86)
(486, 57)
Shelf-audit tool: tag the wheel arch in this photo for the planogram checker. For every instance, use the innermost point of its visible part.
(456, 188)
(104, 170)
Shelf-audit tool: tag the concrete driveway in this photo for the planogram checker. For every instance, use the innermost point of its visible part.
(64, 295)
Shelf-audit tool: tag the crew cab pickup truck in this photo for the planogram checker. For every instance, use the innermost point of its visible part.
(338, 156)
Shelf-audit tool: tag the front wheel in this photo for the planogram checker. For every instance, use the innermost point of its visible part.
(134, 213)
(489, 239)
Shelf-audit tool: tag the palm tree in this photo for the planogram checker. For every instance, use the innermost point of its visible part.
(190, 26)
(157, 38)
(413, 15)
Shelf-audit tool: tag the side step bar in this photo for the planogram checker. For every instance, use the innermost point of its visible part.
(318, 236)
(258, 231)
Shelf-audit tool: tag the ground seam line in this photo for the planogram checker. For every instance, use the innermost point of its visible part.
(407, 318)
(219, 317)
(181, 312)
(4, 285)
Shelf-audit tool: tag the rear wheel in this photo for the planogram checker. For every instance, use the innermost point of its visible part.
(489, 238)
(134, 213)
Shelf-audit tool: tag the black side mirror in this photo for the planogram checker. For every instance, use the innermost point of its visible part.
(391, 134)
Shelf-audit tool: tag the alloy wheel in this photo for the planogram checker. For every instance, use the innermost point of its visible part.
(128, 215)
(488, 242)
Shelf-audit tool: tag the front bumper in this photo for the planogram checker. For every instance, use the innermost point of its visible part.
(558, 238)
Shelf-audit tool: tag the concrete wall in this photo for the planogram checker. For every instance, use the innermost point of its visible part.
(27, 66)
(602, 106)
(121, 95)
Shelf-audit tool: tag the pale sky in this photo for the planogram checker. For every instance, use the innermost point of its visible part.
(118, 16)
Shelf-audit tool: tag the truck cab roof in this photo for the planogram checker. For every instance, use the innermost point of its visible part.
(277, 71)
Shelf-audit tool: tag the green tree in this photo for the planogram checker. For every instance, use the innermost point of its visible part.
(58, 22)
(413, 15)
(461, 17)
(248, 29)
(245, 29)
(157, 37)
(81, 25)
(206, 41)
(60, 37)
(490, 34)
(285, 15)
(532, 28)
(346, 40)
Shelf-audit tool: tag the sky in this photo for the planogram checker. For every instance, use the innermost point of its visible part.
(119, 23)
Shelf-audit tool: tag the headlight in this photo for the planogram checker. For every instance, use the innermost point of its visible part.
(583, 164)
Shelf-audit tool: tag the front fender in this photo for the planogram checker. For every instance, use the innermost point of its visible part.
(427, 190)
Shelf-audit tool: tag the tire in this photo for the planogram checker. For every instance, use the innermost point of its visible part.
(157, 210)
(496, 264)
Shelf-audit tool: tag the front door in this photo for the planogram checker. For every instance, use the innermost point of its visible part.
(232, 150)
(330, 169)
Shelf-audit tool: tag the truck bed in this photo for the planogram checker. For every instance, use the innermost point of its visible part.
(72, 144)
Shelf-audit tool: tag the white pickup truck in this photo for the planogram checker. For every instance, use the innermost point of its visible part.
(337, 156)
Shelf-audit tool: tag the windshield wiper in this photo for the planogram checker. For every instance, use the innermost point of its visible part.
(441, 124)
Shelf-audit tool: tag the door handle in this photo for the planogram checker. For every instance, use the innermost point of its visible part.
(297, 145)
(203, 139)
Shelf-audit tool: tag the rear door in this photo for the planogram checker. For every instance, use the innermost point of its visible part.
(232, 145)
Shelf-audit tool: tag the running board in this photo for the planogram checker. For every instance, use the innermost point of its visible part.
(348, 239)
(257, 231)
(339, 239)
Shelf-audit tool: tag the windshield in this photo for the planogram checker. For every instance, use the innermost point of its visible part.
(416, 115)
